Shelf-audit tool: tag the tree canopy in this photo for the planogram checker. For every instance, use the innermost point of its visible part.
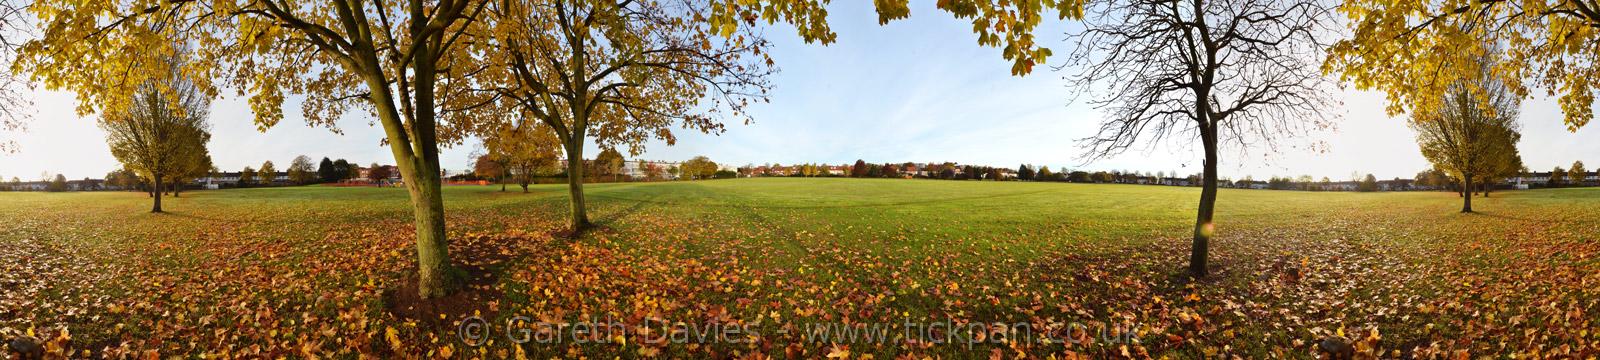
(268, 172)
(386, 58)
(1472, 134)
(618, 73)
(1005, 24)
(1577, 173)
(162, 134)
(699, 167)
(525, 150)
(301, 171)
(490, 166)
(609, 163)
(1411, 49)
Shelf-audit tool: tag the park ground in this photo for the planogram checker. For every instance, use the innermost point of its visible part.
(1091, 270)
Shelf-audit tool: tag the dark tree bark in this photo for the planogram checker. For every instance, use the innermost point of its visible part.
(580, 217)
(1203, 227)
(1466, 201)
(157, 191)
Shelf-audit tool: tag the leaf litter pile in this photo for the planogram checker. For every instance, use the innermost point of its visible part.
(660, 280)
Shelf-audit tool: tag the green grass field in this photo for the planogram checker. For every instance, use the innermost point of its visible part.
(1092, 270)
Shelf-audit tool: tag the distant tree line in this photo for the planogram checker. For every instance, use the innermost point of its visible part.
(1432, 179)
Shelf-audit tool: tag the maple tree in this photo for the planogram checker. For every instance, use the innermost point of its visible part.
(1409, 49)
(626, 71)
(489, 166)
(162, 134)
(618, 73)
(193, 167)
(1222, 72)
(651, 170)
(301, 171)
(1473, 133)
(524, 149)
(698, 167)
(1577, 173)
(388, 59)
(1507, 164)
(268, 173)
(247, 176)
(609, 162)
(377, 173)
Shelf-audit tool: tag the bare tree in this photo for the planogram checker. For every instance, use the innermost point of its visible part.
(1234, 72)
(12, 101)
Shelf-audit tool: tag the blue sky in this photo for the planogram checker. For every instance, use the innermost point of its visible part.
(918, 90)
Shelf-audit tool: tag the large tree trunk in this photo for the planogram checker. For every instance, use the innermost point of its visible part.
(434, 272)
(416, 154)
(580, 217)
(156, 193)
(1466, 201)
(427, 201)
(1203, 227)
(177, 188)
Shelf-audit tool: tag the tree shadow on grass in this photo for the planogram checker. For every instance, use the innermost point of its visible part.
(1498, 215)
(480, 262)
(186, 215)
(611, 217)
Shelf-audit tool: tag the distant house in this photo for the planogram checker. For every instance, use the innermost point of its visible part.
(1395, 185)
(231, 179)
(1251, 184)
(1539, 178)
(366, 172)
(1342, 186)
(86, 185)
(1530, 178)
(632, 170)
(31, 186)
(226, 179)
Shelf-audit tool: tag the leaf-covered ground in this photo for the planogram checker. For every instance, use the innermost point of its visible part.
(798, 268)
